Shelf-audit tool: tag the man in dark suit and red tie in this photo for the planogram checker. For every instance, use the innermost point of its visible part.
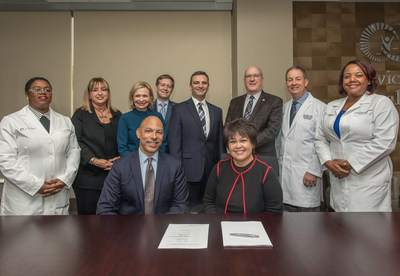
(195, 138)
(146, 181)
(263, 110)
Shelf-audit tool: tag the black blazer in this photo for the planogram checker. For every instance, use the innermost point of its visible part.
(90, 134)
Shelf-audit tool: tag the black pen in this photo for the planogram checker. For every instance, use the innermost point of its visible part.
(244, 235)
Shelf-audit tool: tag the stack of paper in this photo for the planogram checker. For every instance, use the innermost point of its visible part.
(188, 236)
(244, 233)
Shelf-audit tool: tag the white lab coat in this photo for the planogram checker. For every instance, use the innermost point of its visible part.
(29, 156)
(296, 154)
(368, 132)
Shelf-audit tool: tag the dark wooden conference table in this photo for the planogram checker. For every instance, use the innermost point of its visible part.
(303, 244)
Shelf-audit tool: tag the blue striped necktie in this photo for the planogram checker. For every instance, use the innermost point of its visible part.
(163, 109)
(249, 106)
(293, 112)
(202, 116)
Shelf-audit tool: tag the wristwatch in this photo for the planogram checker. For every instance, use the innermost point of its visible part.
(91, 160)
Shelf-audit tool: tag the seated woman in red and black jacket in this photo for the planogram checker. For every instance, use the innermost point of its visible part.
(242, 183)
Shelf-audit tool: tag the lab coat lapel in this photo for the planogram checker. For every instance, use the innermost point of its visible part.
(304, 107)
(286, 117)
(363, 102)
(54, 122)
(33, 121)
(337, 107)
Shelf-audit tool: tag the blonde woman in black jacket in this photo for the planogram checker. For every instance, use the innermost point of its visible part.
(96, 123)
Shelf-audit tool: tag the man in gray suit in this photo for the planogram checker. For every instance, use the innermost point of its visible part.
(164, 87)
(263, 110)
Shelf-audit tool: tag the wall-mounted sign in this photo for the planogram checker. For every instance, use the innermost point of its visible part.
(380, 42)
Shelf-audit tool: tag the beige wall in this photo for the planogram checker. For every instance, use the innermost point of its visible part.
(125, 47)
(34, 44)
(264, 37)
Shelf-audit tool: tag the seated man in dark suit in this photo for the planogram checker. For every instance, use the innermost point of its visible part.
(145, 181)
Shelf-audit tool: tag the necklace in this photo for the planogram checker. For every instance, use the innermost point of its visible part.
(101, 116)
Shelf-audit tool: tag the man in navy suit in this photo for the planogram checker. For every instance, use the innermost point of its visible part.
(195, 138)
(126, 187)
(164, 86)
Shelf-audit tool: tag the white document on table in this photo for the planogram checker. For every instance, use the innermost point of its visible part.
(244, 233)
(185, 236)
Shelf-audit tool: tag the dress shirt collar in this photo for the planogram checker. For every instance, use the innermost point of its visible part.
(196, 101)
(143, 157)
(38, 114)
(256, 97)
(159, 103)
(303, 98)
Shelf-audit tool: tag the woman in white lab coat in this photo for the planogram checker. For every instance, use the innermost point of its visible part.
(354, 139)
(39, 156)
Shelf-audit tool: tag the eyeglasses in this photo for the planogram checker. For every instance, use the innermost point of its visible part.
(39, 89)
(252, 76)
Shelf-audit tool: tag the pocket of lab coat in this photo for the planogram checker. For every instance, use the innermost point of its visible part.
(62, 199)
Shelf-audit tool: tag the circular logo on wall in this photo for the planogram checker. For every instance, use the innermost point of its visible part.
(380, 42)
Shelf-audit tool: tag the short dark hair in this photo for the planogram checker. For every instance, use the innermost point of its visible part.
(369, 73)
(199, 73)
(242, 127)
(296, 67)
(32, 80)
(165, 76)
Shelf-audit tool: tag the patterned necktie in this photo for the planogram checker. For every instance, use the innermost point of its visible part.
(45, 122)
(249, 106)
(163, 109)
(293, 112)
(202, 116)
(149, 188)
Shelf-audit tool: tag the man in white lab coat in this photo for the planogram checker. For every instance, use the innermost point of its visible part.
(299, 166)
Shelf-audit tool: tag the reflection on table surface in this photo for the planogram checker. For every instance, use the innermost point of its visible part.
(303, 244)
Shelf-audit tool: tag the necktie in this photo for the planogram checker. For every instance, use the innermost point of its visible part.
(163, 109)
(293, 112)
(202, 116)
(249, 106)
(45, 122)
(149, 188)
